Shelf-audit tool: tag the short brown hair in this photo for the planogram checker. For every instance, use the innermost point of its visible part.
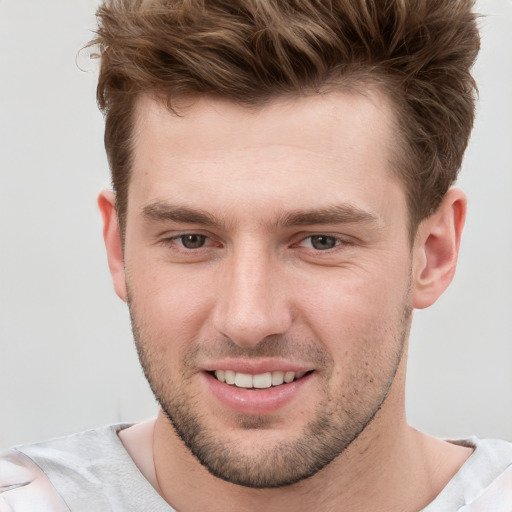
(419, 51)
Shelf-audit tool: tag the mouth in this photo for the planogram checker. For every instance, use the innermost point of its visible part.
(262, 388)
(258, 381)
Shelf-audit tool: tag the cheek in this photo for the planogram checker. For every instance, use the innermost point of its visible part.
(171, 303)
(352, 306)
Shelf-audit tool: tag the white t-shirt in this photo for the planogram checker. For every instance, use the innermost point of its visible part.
(92, 471)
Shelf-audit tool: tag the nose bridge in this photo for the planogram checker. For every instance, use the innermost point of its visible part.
(252, 301)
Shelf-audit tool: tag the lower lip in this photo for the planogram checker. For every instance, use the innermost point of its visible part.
(256, 401)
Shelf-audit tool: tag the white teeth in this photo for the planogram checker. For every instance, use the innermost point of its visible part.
(289, 376)
(277, 378)
(243, 380)
(262, 380)
(259, 381)
(229, 375)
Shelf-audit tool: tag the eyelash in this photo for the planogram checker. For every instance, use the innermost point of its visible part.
(176, 239)
(332, 238)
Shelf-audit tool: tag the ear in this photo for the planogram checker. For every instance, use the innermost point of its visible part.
(113, 242)
(436, 249)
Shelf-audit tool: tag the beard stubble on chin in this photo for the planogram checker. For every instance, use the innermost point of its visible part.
(338, 419)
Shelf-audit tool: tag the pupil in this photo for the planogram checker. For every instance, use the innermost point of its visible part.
(193, 241)
(323, 242)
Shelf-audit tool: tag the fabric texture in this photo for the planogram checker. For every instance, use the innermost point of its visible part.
(92, 471)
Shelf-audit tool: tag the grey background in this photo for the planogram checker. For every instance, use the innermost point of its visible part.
(66, 357)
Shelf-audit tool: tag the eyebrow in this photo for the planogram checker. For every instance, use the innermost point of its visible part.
(334, 214)
(162, 211)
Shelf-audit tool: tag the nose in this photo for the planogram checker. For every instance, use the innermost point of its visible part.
(252, 299)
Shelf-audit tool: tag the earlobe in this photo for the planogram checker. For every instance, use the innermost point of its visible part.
(113, 241)
(436, 249)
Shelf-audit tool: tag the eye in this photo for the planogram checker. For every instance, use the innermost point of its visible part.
(191, 240)
(322, 242)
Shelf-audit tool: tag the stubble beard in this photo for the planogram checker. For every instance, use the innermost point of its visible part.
(338, 420)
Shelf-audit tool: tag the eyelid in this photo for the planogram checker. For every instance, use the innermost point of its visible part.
(340, 239)
(174, 238)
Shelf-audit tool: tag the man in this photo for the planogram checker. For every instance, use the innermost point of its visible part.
(282, 202)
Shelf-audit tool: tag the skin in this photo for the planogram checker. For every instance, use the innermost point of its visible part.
(262, 291)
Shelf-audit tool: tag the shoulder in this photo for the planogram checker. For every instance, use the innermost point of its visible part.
(491, 472)
(490, 458)
(25, 487)
(483, 483)
(46, 476)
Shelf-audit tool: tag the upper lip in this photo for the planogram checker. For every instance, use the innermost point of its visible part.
(256, 367)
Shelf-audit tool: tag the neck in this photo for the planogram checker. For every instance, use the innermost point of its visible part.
(390, 467)
(402, 471)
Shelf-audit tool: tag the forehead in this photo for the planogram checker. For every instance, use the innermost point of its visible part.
(323, 115)
(334, 147)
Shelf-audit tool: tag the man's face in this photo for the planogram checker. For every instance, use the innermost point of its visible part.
(269, 245)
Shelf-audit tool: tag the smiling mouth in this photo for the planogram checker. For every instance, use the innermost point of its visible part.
(259, 381)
